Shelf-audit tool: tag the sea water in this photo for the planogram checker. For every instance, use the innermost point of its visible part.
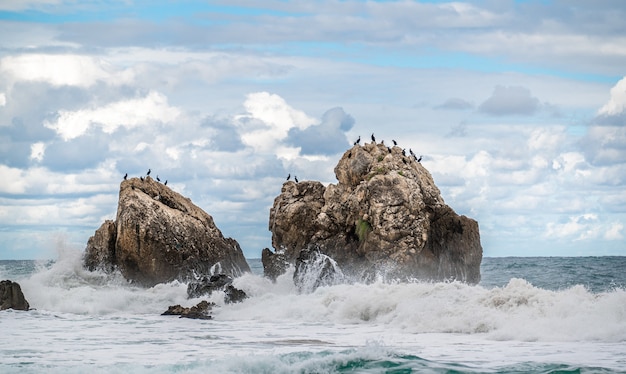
(527, 315)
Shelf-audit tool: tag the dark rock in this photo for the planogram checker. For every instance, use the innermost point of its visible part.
(206, 286)
(200, 311)
(274, 264)
(159, 236)
(11, 296)
(234, 295)
(315, 269)
(385, 216)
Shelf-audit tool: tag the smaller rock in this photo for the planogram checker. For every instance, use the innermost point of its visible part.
(234, 295)
(315, 269)
(11, 296)
(274, 264)
(206, 286)
(200, 311)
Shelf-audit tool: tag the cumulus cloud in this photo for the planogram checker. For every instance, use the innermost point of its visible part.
(267, 122)
(512, 100)
(326, 138)
(617, 102)
(126, 113)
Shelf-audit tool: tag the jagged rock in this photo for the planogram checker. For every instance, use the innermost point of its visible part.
(233, 295)
(11, 296)
(159, 236)
(274, 264)
(200, 311)
(206, 286)
(385, 216)
(219, 282)
(314, 269)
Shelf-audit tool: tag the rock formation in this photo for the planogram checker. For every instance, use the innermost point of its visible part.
(11, 296)
(385, 216)
(200, 311)
(159, 236)
(218, 282)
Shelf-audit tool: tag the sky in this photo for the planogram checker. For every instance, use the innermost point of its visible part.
(518, 108)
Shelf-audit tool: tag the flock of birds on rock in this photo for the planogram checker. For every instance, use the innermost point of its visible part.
(147, 174)
(418, 159)
(358, 142)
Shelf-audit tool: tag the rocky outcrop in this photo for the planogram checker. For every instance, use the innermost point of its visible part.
(11, 296)
(219, 282)
(385, 216)
(159, 236)
(200, 311)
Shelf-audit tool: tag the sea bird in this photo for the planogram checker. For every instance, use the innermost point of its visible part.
(295, 178)
(411, 152)
(141, 178)
(158, 180)
(419, 159)
(403, 152)
(288, 176)
(358, 140)
(125, 176)
(373, 138)
(148, 173)
(165, 184)
(394, 142)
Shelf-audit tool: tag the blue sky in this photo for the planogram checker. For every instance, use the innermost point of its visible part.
(519, 108)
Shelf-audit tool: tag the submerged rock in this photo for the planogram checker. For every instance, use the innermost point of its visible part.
(11, 296)
(159, 236)
(219, 282)
(200, 311)
(385, 216)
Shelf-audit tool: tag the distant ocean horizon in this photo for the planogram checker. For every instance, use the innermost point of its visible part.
(528, 314)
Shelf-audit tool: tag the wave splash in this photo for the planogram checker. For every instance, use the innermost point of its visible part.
(516, 311)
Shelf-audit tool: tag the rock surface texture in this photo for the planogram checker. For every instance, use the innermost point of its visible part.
(385, 216)
(159, 236)
(11, 296)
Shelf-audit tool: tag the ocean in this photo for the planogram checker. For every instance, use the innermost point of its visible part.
(527, 315)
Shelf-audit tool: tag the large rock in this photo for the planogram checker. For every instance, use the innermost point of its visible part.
(385, 216)
(159, 236)
(11, 296)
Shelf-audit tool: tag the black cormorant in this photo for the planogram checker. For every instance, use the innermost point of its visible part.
(288, 176)
(148, 173)
(165, 184)
(403, 152)
(389, 149)
(373, 138)
(394, 142)
(358, 140)
(419, 159)
(411, 152)
(125, 176)
(141, 178)
(295, 178)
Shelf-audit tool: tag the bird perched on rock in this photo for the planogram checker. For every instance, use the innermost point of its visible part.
(141, 178)
(373, 138)
(289, 176)
(125, 176)
(158, 180)
(358, 140)
(165, 184)
(148, 173)
(394, 142)
(295, 178)
(419, 159)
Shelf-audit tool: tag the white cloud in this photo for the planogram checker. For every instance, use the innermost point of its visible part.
(37, 151)
(267, 121)
(617, 102)
(128, 113)
(580, 227)
(3, 99)
(63, 70)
